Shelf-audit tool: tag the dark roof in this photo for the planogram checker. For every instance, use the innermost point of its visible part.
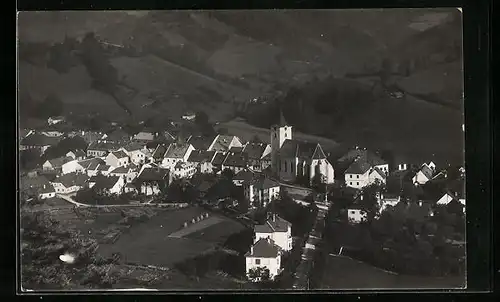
(100, 146)
(222, 142)
(277, 224)
(104, 182)
(318, 153)
(265, 248)
(118, 135)
(254, 150)
(236, 149)
(380, 172)
(103, 167)
(133, 146)
(153, 174)
(176, 150)
(200, 142)
(235, 159)
(426, 171)
(359, 166)
(78, 152)
(218, 159)
(72, 179)
(244, 175)
(46, 189)
(90, 163)
(160, 151)
(121, 170)
(368, 156)
(265, 183)
(119, 154)
(196, 156)
(300, 149)
(39, 140)
(58, 162)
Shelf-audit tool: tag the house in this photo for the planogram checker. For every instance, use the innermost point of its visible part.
(276, 228)
(424, 174)
(128, 173)
(184, 169)
(159, 153)
(177, 152)
(261, 191)
(387, 200)
(223, 143)
(371, 158)
(70, 183)
(76, 154)
(107, 184)
(130, 188)
(25, 132)
(189, 116)
(377, 176)
(255, 154)
(264, 254)
(38, 141)
(153, 181)
(200, 142)
(100, 149)
(55, 120)
(88, 136)
(47, 191)
(217, 161)
(202, 160)
(235, 161)
(292, 159)
(145, 136)
(79, 165)
(116, 136)
(56, 163)
(117, 159)
(357, 174)
(137, 153)
(33, 184)
(244, 177)
(356, 214)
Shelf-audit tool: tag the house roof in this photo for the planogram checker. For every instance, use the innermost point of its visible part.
(120, 170)
(235, 159)
(103, 182)
(118, 135)
(39, 140)
(160, 151)
(90, 163)
(145, 135)
(49, 188)
(300, 149)
(119, 154)
(359, 166)
(271, 226)
(368, 156)
(72, 179)
(176, 150)
(264, 248)
(265, 183)
(218, 159)
(244, 175)
(103, 167)
(78, 153)
(379, 172)
(200, 142)
(254, 150)
(221, 142)
(133, 146)
(198, 156)
(426, 171)
(58, 162)
(153, 174)
(100, 146)
(318, 153)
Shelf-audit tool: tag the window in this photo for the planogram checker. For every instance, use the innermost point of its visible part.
(357, 176)
(350, 176)
(350, 183)
(357, 183)
(285, 166)
(353, 212)
(285, 134)
(257, 261)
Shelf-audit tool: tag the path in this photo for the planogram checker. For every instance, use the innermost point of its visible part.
(79, 204)
(205, 223)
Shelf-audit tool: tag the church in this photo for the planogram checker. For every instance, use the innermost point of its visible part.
(292, 159)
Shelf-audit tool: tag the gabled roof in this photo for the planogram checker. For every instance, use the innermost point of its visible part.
(272, 225)
(264, 183)
(105, 182)
(153, 174)
(254, 150)
(72, 179)
(118, 135)
(120, 170)
(39, 140)
(318, 153)
(200, 142)
(218, 159)
(359, 166)
(58, 162)
(160, 151)
(176, 150)
(264, 248)
(77, 153)
(426, 171)
(145, 135)
(300, 149)
(46, 189)
(100, 146)
(368, 156)
(245, 175)
(235, 159)
(90, 162)
(221, 142)
(133, 146)
(119, 154)
(379, 172)
(103, 167)
(198, 156)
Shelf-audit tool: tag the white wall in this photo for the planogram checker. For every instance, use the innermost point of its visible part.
(356, 215)
(325, 168)
(72, 166)
(357, 181)
(118, 187)
(273, 264)
(445, 199)
(374, 176)
(420, 178)
(383, 168)
(281, 239)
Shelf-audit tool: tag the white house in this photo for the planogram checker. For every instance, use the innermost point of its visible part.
(356, 215)
(117, 159)
(261, 191)
(223, 143)
(107, 184)
(189, 116)
(235, 161)
(184, 170)
(55, 120)
(76, 154)
(128, 173)
(377, 175)
(387, 200)
(56, 163)
(177, 152)
(100, 149)
(151, 181)
(292, 159)
(70, 183)
(357, 174)
(138, 154)
(264, 254)
(47, 191)
(202, 160)
(424, 174)
(276, 228)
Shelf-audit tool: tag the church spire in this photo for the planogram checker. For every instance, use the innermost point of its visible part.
(282, 117)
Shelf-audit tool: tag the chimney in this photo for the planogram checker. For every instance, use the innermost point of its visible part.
(361, 197)
(251, 249)
(274, 217)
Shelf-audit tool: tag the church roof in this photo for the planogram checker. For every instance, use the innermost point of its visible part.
(305, 150)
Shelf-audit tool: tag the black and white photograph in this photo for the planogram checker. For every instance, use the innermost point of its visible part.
(241, 150)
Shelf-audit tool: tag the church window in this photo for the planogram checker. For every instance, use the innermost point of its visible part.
(291, 167)
(285, 166)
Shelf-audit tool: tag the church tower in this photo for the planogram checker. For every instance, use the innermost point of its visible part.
(279, 133)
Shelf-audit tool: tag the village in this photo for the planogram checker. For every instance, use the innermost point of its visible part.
(253, 183)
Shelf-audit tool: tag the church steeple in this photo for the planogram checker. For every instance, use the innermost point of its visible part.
(282, 118)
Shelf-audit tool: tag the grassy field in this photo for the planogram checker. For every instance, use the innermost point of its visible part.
(345, 273)
(217, 232)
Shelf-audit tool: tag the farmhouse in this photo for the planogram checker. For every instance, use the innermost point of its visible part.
(292, 159)
(264, 254)
(424, 174)
(261, 191)
(70, 183)
(76, 154)
(276, 228)
(153, 181)
(223, 143)
(128, 173)
(255, 154)
(47, 191)
(137, 153)
(202, 160)
(244, 177)
(361, 173)
(184, 170)
(372, 159)
(117, 159)
(55, 164)
(234, 161)
(177, 152)
(200, 142)
(107, 184)
(100, 149)
(38, 141)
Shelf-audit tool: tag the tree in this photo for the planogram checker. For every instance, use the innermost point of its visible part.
(258, 274)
